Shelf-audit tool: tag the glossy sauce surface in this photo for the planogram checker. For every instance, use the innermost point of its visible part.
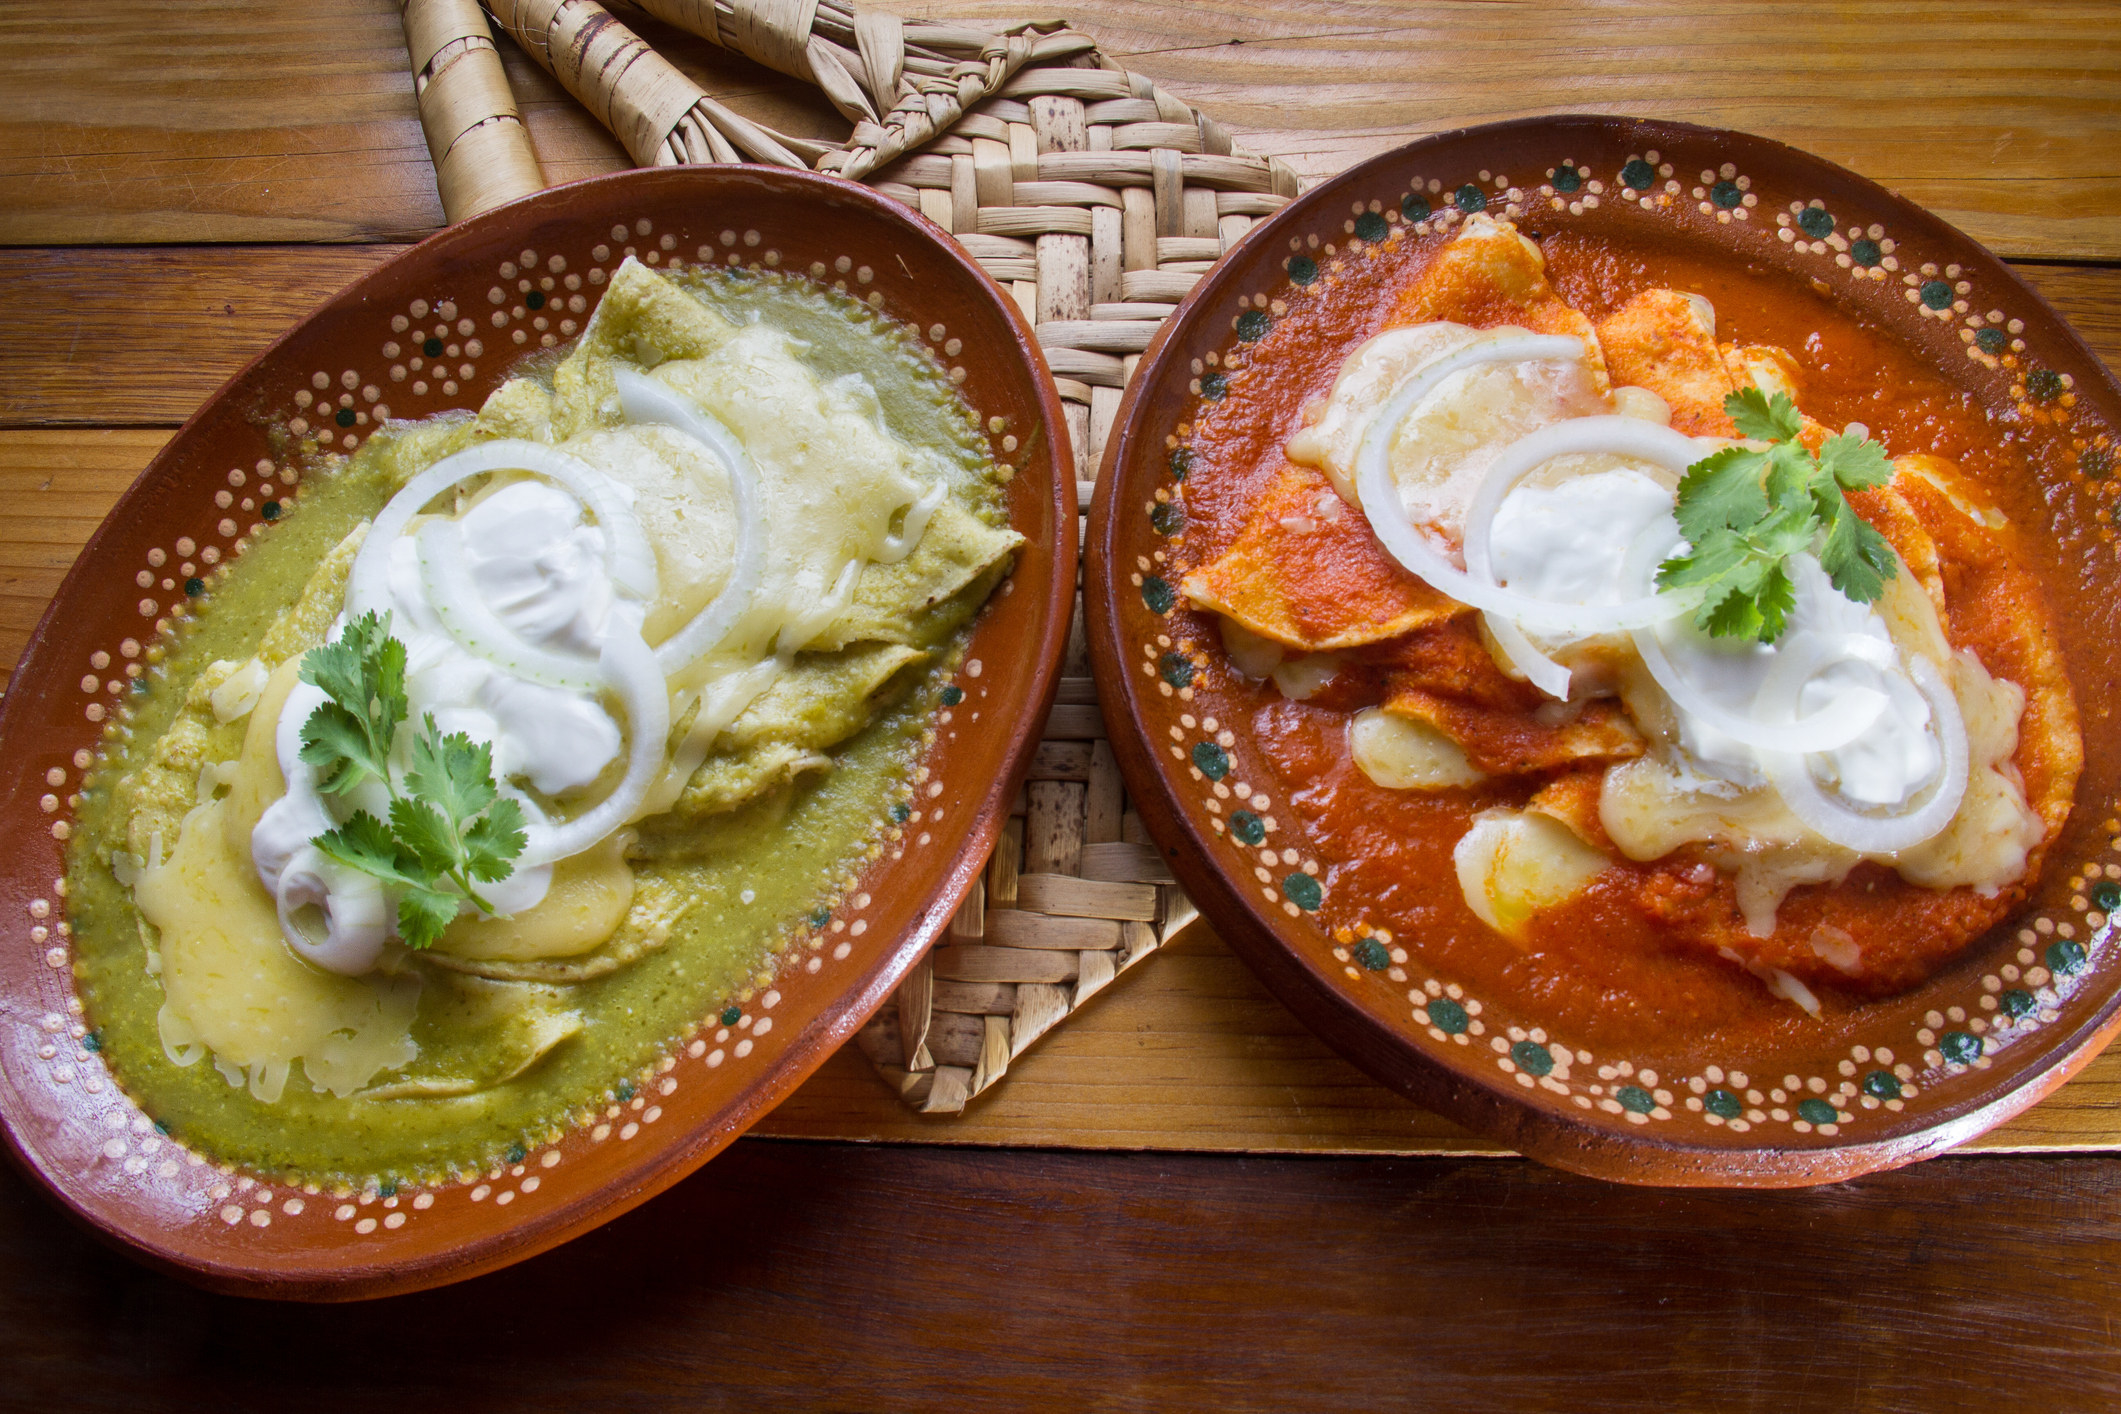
(1606, 967)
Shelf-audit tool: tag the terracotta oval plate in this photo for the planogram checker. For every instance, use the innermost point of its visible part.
(439, 328)
(1886, 1083)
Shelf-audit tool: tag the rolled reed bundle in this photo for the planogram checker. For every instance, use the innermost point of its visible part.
(661, 117)
(900, 83)
(1097, 200)
(481, 150)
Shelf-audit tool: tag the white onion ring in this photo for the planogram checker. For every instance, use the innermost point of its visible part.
(466, 617)
(1388, 517)
(627, 558)
(1658, 445)
(1852, 829)
(648, 401)
(357, 918)
(630, 667)
(1579, 436)
(1824, 730)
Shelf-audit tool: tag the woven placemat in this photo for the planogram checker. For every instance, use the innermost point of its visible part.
(1098, 200)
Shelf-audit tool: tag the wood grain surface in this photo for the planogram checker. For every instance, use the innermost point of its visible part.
(252, 156)
(267, 120)
(801, 1277)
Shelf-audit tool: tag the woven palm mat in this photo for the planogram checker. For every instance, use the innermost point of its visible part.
(1098, 200)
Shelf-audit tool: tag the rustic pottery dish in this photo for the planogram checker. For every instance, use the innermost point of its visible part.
(1883, 1083)
(436, 329)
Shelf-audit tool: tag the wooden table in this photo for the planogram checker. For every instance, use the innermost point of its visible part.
(179, 183)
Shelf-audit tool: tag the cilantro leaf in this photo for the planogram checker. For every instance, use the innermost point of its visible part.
(453, 771)
(367, 844)
(1744, 512)
(1722, 491)
(1764, 419)
(424, 914)
(494, 841)
(1855, 557)
(447, 826)
(1855, 462)
(420, 828)
(363, 673)
(338, 744)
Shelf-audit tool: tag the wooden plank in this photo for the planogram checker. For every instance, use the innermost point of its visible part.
(281, 120)
(137, 121)
(57, 487)
(1193, 1053)
(144, 335)
(1131, 1282)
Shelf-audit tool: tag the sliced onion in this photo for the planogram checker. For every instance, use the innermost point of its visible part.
(647, 400)
(1831, 726)
(629, 665)
(627, 558)
(1518, 651)
(1611, 436)
(1802, 659)
(465, 616)
(1388, 517)
(1854, 829)
(352, 921)
(1619, 436)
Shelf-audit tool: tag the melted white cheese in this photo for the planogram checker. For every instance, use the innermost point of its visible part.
(1565, 534)
(1450, 438)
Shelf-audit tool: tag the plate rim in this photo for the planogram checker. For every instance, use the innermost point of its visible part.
(1551, 1135)
(824, 1034)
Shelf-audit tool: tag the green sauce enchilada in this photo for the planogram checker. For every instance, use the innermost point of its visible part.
(529, 739)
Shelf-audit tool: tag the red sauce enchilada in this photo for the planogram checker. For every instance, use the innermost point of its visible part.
(1708, 755)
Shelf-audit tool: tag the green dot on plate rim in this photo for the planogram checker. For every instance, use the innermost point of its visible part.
(1532, 1058)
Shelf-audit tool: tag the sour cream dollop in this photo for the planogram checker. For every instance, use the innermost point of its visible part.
(540, 569)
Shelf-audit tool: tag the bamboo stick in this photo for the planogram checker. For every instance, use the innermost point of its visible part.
(482, 152)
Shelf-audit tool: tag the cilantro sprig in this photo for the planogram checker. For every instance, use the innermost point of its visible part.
(449, 828)
(1744, 512)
